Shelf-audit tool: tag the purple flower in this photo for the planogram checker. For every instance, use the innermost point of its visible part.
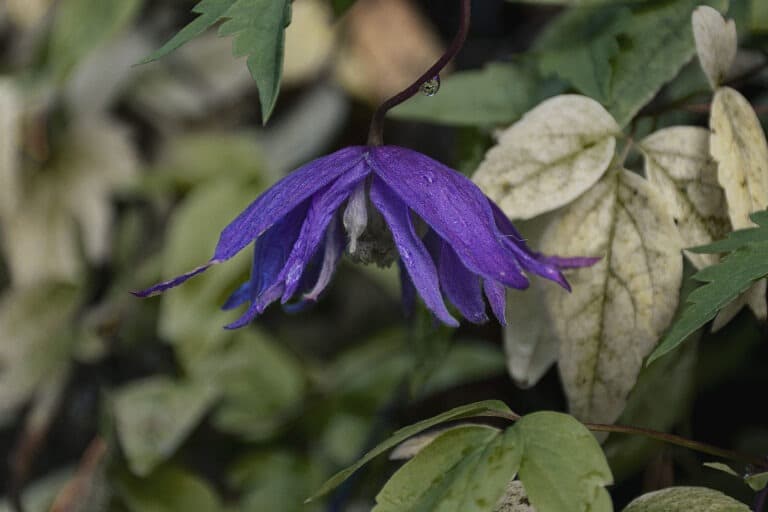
(383, 197)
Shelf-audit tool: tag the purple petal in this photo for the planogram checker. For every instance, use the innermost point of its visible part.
(461, 286)
(269, 256)
(497, 298)
(283, 197)
(453, 206)
(334, 248)
(413, 254)
(238, 297)
(322, 210)
(171, 283)
(577, 262)
(408, 291)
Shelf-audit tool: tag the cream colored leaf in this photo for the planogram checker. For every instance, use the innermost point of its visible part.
(309, 40)
(10, 115)
(515, 499)
(678, 165)
(620, 306)
(738, 145)
(716, 43)
(529, 340)
(550, 157)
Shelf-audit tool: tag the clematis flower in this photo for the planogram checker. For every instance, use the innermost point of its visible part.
(373, 202)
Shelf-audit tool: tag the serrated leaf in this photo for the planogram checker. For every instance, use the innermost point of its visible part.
(515, 499)
(209, 11)
(620, 306)
(466, 468)
(548, 158)
(740, 237)
(716, 43)
(685, 499)
(497, 94)
(563, 467)
(465, 411)
(678, 165)
(258, 29)
(724, 283)
(155, 415)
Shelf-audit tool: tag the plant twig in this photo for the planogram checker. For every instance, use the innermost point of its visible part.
(78, 489)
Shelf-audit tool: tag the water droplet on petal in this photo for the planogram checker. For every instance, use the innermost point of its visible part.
(430, 87)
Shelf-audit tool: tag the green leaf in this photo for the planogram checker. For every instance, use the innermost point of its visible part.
(739, 238)
(210, 12)
(563, 467)
(341, 6)
(685, 499)
(657, 39)
(467, 468)
(719, 466)
(758, 481)
(168, 489)
(724, 282)
(497, 94)
(258, 28)
(488, 407)
(155, 415)
(82, 25)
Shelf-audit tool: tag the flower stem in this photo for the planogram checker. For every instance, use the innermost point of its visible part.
(376, 133)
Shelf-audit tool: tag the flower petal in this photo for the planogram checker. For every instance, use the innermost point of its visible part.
(283, 197)
(408, 290)
(269, 256)
(461, 286)
(238, 297)
(171, 283)
(413, 254)
(322, 209)
(453, 206)
(334, 248)
(497, 298)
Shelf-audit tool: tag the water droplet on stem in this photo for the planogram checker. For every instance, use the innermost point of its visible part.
(431, 86)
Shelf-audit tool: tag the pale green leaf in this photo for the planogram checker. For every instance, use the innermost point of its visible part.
(11, 105)
(758, 481)
(552, 155)
(489, 407)
(563, 467)
(466, 468)
(686, 499)
(38, 496)
(498, 94)
(155, 415)
(719, 466)
(716, 43)
(620, 306)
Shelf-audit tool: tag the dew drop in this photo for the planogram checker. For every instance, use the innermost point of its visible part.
(430, 87)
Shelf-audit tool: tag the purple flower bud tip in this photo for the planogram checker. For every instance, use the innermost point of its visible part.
(302, 225)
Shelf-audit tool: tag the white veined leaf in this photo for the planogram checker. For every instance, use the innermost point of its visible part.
(738, 145)
(620, 306)
(716, 43)
(678, 165)
(686, 499)
(550, 157)
(10, 115)
(515, 499)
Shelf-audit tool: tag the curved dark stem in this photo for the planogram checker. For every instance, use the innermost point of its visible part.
(761, 500)
(376, 133)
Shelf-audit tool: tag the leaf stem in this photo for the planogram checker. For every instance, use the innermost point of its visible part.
(746, 458)
(376, 133)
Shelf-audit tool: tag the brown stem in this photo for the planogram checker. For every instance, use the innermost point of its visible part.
(758, 462)
(77, 490)
(376, 133)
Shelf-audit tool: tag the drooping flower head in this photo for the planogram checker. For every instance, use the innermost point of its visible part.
(372, 201)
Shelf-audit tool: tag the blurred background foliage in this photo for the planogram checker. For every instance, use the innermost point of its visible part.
(113, 176)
